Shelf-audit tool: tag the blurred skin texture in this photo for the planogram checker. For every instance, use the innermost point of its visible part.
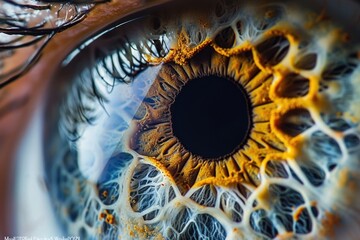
(20, 99)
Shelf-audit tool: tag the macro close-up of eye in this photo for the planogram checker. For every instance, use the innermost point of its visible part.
(216, 119)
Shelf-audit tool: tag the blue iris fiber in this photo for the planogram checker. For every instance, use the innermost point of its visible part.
(114, 167)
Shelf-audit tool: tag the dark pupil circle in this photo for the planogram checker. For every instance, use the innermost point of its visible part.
(211, 116)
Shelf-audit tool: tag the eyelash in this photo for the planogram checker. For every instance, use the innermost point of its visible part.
(118, 66)
(129, 58)
(18, 34)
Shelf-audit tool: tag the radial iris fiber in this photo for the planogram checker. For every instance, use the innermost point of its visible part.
(125, 169)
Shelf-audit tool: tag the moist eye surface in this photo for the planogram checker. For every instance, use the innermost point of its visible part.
(238, 122)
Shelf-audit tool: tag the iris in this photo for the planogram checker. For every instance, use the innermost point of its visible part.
(234, 127)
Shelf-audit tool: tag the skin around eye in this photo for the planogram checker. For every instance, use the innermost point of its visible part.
(20, 99)
(126, 170)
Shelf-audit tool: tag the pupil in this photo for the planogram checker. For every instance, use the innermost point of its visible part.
(211, 116)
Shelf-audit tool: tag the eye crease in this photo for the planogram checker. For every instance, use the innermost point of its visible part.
(125, 170)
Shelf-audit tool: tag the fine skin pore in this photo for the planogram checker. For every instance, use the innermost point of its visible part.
(20, 99)
(29, 89)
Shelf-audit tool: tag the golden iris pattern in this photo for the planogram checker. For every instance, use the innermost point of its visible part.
(294, 176)
(159, 142)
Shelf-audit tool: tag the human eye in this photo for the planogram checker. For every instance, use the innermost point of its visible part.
(238, 121)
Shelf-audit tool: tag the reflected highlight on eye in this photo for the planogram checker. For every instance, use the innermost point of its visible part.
(242, 126)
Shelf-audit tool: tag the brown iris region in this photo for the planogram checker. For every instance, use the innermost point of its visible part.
(153, 134)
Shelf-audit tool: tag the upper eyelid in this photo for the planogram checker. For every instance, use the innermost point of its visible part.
(25, 36)
(19, 33)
